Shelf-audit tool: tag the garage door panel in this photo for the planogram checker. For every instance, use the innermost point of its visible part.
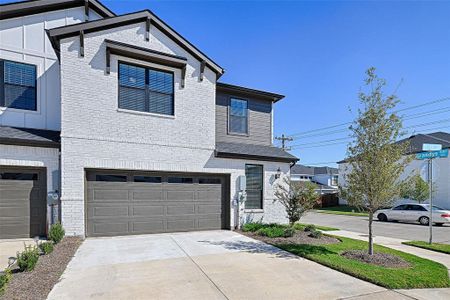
(110, 211)
(179, 210)
(110, 195)
(14, 212)
(149, 226)
(16, 193)
(149, 195)
(150, 211)
(180, 195)
(120, 208)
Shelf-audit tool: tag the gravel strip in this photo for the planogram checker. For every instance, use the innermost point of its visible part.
(379, 259)
(38, 283)
(300, 237)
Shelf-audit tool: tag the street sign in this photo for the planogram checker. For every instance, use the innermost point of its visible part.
(432, 154)
(431, 147)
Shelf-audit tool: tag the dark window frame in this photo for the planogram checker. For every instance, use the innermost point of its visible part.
(262, 186)
(2, 84)
(146, 87)
(229, 131)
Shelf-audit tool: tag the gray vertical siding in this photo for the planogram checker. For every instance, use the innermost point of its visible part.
(259, 123)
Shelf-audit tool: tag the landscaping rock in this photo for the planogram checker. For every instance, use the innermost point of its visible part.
(299, 237)
(38, 283)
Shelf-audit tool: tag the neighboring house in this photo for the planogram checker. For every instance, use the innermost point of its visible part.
(326, 178)
(441, 197)
(124, 119)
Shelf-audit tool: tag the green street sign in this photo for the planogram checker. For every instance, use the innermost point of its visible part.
(432, 154)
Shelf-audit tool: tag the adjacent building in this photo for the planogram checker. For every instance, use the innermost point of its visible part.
(441, 166)
(120, 124)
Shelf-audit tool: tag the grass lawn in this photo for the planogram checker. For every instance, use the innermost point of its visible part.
(423, 273)
(444, 248)
(342, 210)
(301, 226)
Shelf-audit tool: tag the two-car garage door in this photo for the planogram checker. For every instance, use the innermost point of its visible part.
(122, 203)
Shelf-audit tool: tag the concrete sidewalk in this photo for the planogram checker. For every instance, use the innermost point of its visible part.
(396, 244)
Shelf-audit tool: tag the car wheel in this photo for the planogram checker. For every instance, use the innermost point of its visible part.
(382, 217)
(424, 220)
(439, 224)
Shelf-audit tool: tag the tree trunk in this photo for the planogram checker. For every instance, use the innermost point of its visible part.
(370, 233)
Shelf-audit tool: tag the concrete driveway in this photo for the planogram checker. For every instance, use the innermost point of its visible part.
(201, 265)
(9, 248)
(404, 231)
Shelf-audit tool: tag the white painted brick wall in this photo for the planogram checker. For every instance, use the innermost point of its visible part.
(96, 135)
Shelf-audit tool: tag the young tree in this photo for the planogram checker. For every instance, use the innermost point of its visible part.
(375, 159)
(415, 188)
(297, 198)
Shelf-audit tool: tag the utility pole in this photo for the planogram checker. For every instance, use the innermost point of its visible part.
(283, 140)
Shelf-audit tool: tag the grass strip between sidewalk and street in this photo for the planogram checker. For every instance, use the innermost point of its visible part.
(422, 273)
(342, 210)
(443, 248)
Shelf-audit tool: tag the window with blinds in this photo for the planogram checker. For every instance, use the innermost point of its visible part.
(254, 177)
(18, 85)
(145, 89)
(238, 116)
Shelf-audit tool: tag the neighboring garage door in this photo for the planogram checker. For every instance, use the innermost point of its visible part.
(137, 203)
(23, 207)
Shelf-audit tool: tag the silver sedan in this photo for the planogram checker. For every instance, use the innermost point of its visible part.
(413, 212)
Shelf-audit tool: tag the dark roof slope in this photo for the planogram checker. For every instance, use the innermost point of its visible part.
(56, 34)
(416, 141)
(24, 8)
(253, 152)
(240, 90)
(29, 137)
(309, 170)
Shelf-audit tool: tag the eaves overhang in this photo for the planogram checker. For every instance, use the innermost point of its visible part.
(31, 7)
(248, 92)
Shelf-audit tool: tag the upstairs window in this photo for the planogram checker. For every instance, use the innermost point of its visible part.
(146, 90)
(17, 85)
(238, 116)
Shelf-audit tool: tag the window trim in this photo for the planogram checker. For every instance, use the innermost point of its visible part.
(229, 132)
(147, 68)
(36, 89)
(260, 209)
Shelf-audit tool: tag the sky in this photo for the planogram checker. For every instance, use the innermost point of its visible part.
(316, 52)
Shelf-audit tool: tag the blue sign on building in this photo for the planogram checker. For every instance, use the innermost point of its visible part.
(432, 154)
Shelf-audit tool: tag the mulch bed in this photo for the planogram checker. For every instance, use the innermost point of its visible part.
(38, 283)
(300, 237)
(379, 259)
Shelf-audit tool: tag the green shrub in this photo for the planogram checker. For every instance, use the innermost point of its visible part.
(288, 232)
(5, 277)
(27, 259)
(315, 234)
(46, 247)
(271, 232)
(310, 228)
(56, 233)
(252, 227)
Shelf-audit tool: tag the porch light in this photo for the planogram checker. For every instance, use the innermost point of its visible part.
(278, 175)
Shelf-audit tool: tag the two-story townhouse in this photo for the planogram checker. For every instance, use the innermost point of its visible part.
(124, 119)
(326, 178)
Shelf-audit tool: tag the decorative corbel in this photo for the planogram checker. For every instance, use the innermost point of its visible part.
(183, 77)
(147, 29)
(202, 69)
(81, 43)
(108, 61)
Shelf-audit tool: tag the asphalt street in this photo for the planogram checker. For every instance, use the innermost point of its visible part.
(406, 231)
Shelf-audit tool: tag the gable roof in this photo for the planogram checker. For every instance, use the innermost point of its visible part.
(416, 141)
(240, 90)
(56, 34)
(30, 7)
(29, 137)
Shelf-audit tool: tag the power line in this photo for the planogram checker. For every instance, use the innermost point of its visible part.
(348, 123)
